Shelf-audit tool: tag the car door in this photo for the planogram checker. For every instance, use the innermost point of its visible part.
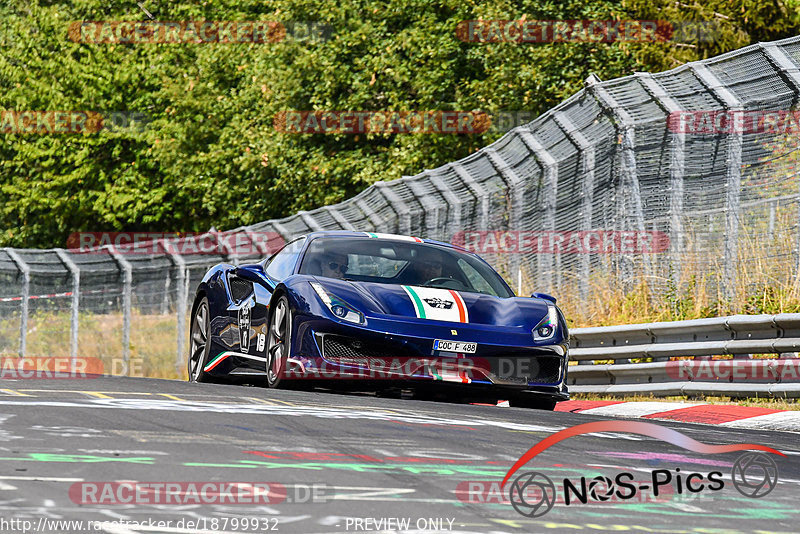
(250, 297)
(278, 267)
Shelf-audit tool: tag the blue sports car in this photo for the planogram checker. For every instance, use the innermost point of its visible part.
(379, 312)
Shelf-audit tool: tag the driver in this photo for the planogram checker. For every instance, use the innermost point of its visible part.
(333, 265)
(428, 268)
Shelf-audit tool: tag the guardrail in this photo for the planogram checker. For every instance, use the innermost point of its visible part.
(739, 335)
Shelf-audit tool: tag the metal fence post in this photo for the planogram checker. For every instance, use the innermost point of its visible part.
(550, 170)
(587, 151)
(165, 300)
(783, 63)
(180, 307)
(676, 170)
(127, 289)
(75, 306)
(344, 224)
(281, 229)
(734, 177)
(452, 202)
(372, 217)
(477, 189)
(309, 221)
(630, 177)
(397, 205)
(430, 209)
(514, 183)
(26, 293)
(481, 197)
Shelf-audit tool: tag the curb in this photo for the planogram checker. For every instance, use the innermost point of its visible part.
(727, 415)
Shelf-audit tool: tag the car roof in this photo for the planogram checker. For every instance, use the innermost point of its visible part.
(378, 235)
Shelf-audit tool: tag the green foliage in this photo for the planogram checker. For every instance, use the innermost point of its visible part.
(211, 155)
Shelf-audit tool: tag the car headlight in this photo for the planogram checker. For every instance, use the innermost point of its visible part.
(338, 307)
(546, 329)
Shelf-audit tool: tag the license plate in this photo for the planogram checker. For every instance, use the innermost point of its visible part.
(455, 346)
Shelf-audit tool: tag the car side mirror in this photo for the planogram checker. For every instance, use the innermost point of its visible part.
(254, 273)
(544, 296)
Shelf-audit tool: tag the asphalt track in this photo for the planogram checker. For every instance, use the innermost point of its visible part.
(373, 464)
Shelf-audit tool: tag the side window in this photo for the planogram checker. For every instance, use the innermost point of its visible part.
(283, 263)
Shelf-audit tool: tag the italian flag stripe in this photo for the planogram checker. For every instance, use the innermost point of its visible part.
(377, 235)
(216, 361)
(462, 309)
(420, 309)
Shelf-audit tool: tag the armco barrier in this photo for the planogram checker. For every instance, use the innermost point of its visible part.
(739, 335)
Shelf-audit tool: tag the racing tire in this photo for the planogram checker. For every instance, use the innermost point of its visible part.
(279, 338)
(199, 344)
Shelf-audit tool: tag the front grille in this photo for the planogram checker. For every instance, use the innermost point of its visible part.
(240, 289)
(523, 369)
(549, 370)
(349, 351)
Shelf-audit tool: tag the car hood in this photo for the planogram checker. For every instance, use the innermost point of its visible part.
(436, 304)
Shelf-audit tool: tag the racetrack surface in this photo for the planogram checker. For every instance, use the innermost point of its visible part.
(391, 460)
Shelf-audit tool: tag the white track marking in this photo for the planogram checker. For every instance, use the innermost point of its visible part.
(290, 411)
(638, 409)
(42, 479)
(786, 421)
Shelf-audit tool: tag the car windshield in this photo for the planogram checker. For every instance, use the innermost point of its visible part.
(390, 261)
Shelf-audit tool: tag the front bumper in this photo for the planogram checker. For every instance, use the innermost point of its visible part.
(328, 350)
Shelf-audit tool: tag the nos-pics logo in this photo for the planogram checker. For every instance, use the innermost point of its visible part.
(533, 494)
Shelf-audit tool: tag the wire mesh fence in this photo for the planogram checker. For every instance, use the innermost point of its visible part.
(653, 180)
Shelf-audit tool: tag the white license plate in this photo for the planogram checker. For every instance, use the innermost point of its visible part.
(455, 346)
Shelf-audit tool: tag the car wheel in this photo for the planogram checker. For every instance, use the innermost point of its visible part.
(278, 341)
(531, 401)
(200, 344)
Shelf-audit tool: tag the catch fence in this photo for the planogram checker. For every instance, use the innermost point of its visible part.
(689, 176)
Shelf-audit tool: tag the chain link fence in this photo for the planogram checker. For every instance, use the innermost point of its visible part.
(616, 187)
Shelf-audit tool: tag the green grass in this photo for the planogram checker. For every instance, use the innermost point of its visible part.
(153, 345)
